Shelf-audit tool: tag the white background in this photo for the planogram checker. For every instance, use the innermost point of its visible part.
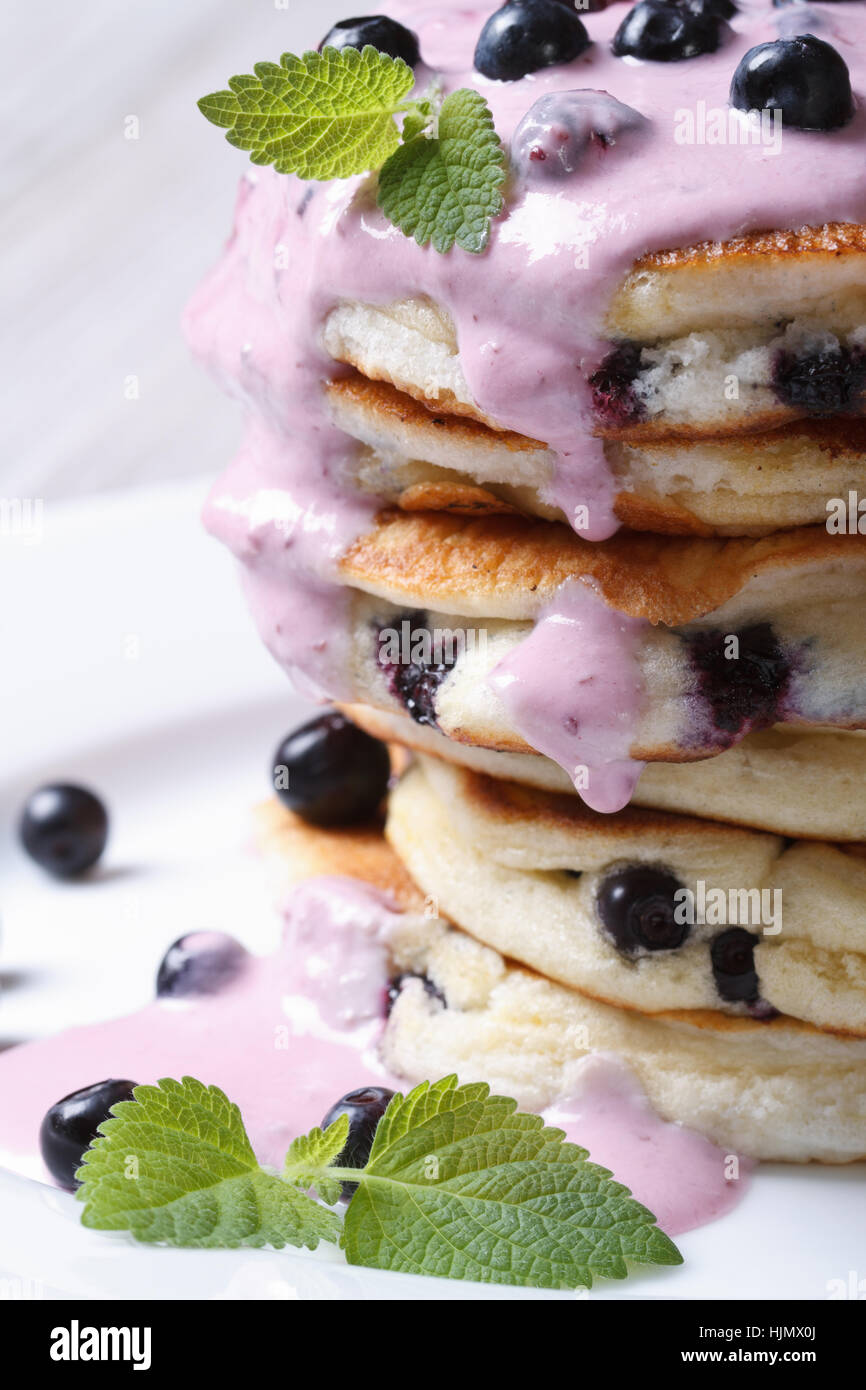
(103, 237)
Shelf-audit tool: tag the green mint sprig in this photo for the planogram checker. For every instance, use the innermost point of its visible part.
(175, 1165)
(459, 1184)
(333, 114)
(447, 189)
(322, 116)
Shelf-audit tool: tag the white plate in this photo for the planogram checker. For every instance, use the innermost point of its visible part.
(129, 662)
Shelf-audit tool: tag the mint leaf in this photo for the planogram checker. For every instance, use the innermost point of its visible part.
(332, 114)
(323, 116)
(176, 1165)
(460, 1184)
(310, 1155)
(449, 188)
(417, 120)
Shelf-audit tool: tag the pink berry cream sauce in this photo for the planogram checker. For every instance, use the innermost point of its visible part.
(293, 1032)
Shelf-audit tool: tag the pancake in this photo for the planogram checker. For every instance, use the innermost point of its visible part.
(421, 459)
(294, 850)
(781, 1090)
(718, 337)
(506, 567)
(797, 783)
(545, 880)
(759, 277)
(472, 591)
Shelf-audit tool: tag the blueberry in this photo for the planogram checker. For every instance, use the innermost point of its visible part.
(525, 35)
(365, 1109)
(70, 1126)
(719, 9)
(827, 382)
(560, 129)
(636, 905)
(416, 676)
(612, 386)
(378, 30)
(395, 987)
(200, 963)
(733, 959)
(329, 772)
(746, 691)
(797, 17)
(666, 33)
(64, 828)
(803, 77)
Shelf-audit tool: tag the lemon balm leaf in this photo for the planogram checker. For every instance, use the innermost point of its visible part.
(310, 1156)
(337, 113)
(461, 1184)
(447, 189)
(322, 116)
(175, 1165)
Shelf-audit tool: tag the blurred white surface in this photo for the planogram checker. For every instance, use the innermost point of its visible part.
(103, 237)
(143, 687)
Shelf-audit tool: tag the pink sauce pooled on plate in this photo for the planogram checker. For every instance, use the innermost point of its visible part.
(291, 1033)
(529, 313)
(683, 1178)
(285, 1038)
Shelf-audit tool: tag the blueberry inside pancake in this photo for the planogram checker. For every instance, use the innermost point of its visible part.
(775, 1089)
(645, 910)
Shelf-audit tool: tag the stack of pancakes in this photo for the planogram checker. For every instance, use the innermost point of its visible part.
(754, 790)
(423, 430)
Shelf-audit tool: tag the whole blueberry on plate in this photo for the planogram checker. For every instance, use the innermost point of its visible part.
(329, 772)
(804, 78)
(200, 963)
(365, 1108)
(64, 828)
(377, 30)
(70, 1126)
(661, 32)
(637, 906)
(527, 35)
